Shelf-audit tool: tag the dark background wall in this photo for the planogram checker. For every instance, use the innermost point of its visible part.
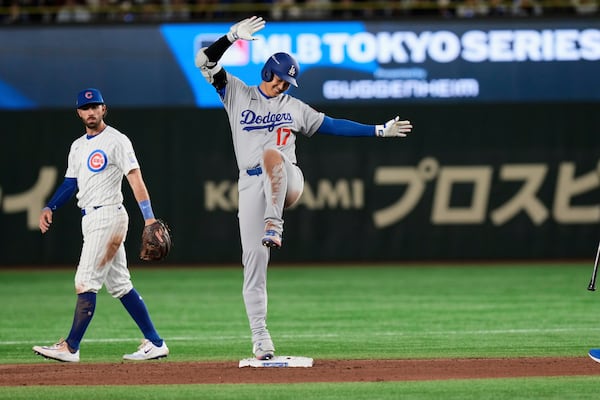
(447, 192)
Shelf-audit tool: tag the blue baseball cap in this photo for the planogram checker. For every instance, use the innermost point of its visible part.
(89, 96)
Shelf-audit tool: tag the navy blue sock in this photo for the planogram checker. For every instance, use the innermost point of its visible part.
(135, 306)
(84, 311)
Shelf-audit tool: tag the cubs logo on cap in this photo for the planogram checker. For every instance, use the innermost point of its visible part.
(89, 96)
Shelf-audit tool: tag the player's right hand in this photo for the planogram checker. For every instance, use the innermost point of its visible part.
(245, 29)
(45, 219)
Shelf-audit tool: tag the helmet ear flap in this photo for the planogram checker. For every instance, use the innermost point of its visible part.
(266, 73)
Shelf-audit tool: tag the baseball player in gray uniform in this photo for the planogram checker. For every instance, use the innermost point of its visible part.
(97, 162)
(264, 122)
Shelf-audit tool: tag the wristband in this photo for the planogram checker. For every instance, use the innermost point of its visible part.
(146, 208)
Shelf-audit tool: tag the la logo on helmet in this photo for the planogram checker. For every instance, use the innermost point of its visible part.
(292, 71)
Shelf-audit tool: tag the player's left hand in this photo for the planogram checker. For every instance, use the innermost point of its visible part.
(156, 241)
(394, 128)
(245, 29)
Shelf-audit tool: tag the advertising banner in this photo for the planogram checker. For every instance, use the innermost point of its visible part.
(342, 62)
(473, 182)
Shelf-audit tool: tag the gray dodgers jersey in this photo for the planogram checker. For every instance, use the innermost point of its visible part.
(258, 122)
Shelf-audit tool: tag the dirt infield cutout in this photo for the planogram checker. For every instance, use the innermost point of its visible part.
(167, 372)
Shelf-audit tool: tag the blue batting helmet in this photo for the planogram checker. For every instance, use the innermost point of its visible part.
(283, 65)
(89, 96)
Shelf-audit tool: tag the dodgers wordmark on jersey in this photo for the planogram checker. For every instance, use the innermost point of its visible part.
(254, 118)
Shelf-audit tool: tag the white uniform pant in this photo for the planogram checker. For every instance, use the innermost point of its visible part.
(255, 256)
(103, 260)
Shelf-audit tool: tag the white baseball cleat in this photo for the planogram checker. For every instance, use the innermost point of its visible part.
(148, 351)
(58, 351)
(263, 349)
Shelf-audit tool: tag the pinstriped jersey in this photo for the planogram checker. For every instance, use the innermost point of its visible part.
(258, 122)
(99, 163)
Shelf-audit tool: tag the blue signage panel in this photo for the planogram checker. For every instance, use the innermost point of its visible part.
(342, 63)
(349, 62)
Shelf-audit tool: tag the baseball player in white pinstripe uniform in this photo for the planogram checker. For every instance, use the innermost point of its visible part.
(264, 122)
(97, 162)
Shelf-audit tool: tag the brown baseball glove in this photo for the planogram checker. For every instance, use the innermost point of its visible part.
(156, 241)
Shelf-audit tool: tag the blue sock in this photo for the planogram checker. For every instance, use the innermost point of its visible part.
(134, 304)
(84, 311)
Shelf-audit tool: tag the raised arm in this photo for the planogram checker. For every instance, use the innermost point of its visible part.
(207, 58)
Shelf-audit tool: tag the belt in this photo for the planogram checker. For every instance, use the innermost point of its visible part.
(254, 171)
(87, 210)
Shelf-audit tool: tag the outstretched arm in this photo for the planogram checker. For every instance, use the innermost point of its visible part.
(345, 127)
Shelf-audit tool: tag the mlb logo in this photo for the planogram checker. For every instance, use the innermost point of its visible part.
(238, 55)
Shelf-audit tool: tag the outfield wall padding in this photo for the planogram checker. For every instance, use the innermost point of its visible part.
(488, 181)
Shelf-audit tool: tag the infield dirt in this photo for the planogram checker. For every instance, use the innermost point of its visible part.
(167, 372)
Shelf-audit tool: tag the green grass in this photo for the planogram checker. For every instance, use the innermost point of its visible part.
(571, 388)
(325, 313)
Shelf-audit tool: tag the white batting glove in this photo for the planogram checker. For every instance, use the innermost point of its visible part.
(393, 128)
(245, 29)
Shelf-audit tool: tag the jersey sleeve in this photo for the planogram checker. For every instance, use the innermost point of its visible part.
(126, 159)
(71, 164)
(227, 94)
(311, 118)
